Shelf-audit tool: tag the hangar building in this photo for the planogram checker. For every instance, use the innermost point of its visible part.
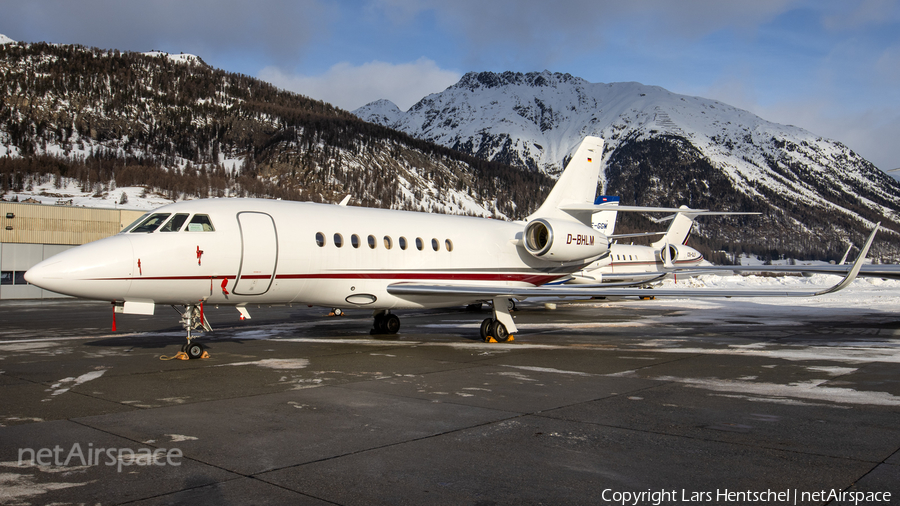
(30, 233)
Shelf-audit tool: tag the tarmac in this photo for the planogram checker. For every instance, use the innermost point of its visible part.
(596, 402)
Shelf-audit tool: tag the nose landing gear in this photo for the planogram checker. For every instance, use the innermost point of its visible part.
(192, 319)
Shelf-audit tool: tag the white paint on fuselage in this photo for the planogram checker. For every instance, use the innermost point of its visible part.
(636, 259)
(168, 268)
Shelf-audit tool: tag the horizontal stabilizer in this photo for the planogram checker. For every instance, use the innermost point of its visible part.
(694, 213)
(582, 212)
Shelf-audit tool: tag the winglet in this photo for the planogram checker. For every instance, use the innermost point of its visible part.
(857, 265)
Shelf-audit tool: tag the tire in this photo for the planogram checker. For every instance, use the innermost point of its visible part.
(378, 328)
(391, 324)
(499, 332)
(193, 350)
(486, 327)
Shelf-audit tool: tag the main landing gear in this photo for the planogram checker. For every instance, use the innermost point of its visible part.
(385, 323)
(501, 327)
(192, 319)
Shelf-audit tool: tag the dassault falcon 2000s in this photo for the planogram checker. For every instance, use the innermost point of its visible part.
(255, 251)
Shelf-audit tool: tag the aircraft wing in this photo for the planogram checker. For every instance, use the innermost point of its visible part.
(600, 290)
(885, 271)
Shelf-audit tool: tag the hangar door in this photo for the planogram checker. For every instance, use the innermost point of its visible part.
(259, 253)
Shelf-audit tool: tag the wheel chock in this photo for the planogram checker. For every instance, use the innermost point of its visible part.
(511, 339)
(490, 339)
(178, 356)
(183, 356)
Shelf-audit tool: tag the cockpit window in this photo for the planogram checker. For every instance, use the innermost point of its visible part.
(134, 224)
(200, 223)
(150, 224)
(174, 225)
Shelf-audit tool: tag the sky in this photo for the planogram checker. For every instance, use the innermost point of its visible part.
(829, 66)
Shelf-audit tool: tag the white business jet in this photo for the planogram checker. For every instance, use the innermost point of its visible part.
(645, 264)
(254, 251)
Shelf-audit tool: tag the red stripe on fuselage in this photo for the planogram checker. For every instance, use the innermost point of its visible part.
(533, 279)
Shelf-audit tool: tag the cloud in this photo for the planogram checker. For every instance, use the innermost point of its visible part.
(276, 30)
(349, 87)
(856, 15)
(543, 32)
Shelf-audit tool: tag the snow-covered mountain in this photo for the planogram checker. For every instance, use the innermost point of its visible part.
(661, 148)
(95, 127)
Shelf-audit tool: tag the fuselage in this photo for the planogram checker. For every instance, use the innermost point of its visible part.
(242, 251)
(628, 262)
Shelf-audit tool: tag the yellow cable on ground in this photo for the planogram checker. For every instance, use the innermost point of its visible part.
(178, 356)
(182, 356)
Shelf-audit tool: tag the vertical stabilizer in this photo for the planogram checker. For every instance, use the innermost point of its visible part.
(678, 230)
(605, 221)
(578, 183)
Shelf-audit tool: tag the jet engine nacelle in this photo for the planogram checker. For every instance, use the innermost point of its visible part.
(679, 253)
(563, 241)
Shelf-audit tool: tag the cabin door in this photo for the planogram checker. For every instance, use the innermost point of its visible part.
(259, 253)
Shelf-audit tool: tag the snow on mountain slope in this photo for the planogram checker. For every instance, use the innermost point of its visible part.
(537, 119)
(5, 40)
(178, 58)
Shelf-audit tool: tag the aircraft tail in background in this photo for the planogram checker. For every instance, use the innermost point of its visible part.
(605, 221)
(678, 231)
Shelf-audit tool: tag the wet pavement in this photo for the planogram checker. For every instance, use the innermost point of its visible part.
(628, 402)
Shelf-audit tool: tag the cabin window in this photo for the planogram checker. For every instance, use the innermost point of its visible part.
(448, 244)
(320, 239)
(150, 224)
(354, 241)
(338, 240)
(402, 242)
(175, 224)
(200, 223)
(419, 244)
(388, 243)
(435, 245)
(372, 242)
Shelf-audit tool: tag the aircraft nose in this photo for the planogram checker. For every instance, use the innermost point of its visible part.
(97, 270)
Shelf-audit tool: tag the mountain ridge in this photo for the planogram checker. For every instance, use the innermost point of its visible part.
(536, 119)
(109, 118)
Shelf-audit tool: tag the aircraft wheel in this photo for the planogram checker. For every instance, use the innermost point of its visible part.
(511, 304)
(379, 325)
(391, 324)
(486, 327)
(499, 332)
(193, 350)
(338, 311)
